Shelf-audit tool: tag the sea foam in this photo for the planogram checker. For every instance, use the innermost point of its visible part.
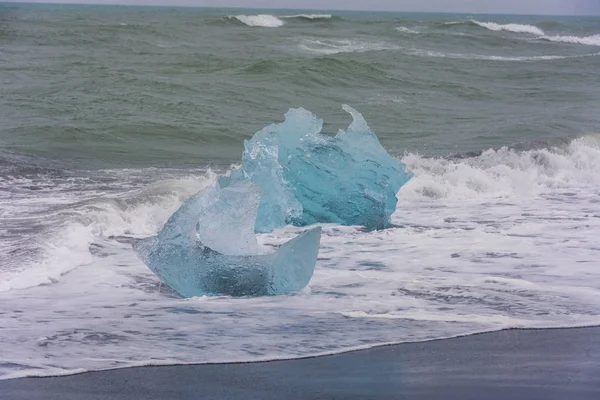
(67, 246)
(261, 20)
(483, 57)
(404, 29)
(593, 40)
(334, 46)
(518, 28)
(309, 16)
(505, 172)
(505, 232)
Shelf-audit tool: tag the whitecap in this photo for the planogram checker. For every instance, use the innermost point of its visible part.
(593, 40)
(309, 16)
(261, 20)
(404, 29)
(386, 98)
(464, 56)
(343, 46)
(518, 28)
(67, 246)
(506, 172)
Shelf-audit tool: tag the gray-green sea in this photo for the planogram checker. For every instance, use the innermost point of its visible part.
(111, 116)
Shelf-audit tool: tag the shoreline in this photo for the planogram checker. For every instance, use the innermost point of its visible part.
(553, 363)
(343, 351)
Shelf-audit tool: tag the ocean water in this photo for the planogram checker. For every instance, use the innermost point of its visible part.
(110, 117)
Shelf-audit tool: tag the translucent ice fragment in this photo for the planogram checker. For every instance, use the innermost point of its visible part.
(308, 177)
(226, 225)
(233, 264)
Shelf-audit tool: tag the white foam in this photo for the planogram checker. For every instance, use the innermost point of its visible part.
(463, 56)
(505, 172)
(504, 239)
(46, 372)
(309, 16)
(261, 20)
(386, 98)
(140, 213)
(502, 321)
(518, 28)
(334, 46)
(593, 40)
(68, 250)
(404, 29)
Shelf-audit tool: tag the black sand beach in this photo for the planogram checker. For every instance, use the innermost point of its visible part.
(512, 364)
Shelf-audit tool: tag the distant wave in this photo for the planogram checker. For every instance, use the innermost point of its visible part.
(462, 56)
(272, 21)
(593, 40)
(455, 23)
(404, 29)
(343, 46)
(261, 20)
(309, 16)
(518, 28)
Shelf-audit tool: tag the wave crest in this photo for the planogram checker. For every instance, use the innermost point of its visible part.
(593, 40)
(329, 47)
(505, 172)
(404, 29)
(88, 224)
(517, 28)
(260, 20)
(308, 16)
(464, 56)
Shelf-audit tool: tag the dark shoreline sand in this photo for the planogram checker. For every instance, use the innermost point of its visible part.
(512, 364)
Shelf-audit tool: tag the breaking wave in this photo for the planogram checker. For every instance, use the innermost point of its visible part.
(329, 47)
(261, 20)
(464, 56)
(485, 211)
(309, 16)
(518, 28)
(404, 29)
(494, 172)
(593, 40)
(83, 227)
(272, 21)
(505, 172)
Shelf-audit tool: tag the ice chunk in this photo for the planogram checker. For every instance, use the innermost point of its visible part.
(227, 224)
(233, 264)
(308, 177)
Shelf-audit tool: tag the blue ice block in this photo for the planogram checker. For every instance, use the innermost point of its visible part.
(308, 177)
(208, 247)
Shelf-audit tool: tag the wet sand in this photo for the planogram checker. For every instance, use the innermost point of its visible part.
(513, 364)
